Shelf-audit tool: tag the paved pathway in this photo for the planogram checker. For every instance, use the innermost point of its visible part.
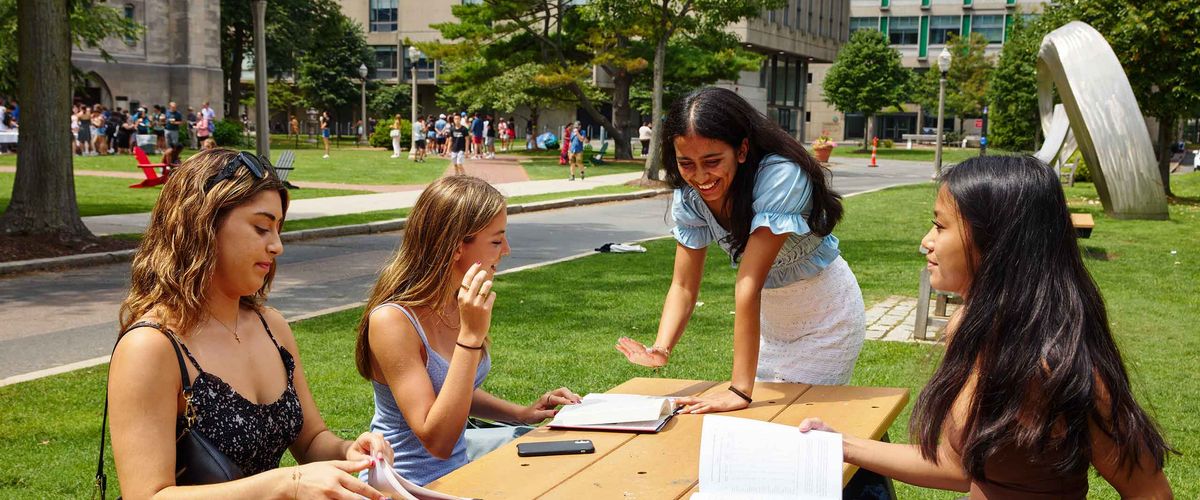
(893, 319)
(53, 319)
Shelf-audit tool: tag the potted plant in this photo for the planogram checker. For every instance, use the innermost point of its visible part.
(822, 147)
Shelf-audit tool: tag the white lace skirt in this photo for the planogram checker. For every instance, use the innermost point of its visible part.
(813, 329)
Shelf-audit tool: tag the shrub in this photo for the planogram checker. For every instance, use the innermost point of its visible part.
(228, 133)
(888, 143)
(382, 137)
(1082, 172)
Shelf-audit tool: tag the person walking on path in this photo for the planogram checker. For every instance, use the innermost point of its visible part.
(418, 134)
(578, 139)
(645, 133)
(745, 183)
(458, 145)
(324, 124)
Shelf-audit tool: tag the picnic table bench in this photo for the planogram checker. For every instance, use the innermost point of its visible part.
(666, 464)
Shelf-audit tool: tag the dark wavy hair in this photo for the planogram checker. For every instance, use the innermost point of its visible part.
(721, 114)
(1033, 328)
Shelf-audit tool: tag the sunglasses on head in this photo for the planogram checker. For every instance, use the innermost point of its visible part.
(257, 165)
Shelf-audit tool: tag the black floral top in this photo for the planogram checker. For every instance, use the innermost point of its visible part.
(253, 436)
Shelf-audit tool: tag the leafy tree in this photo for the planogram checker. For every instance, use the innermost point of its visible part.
(1156, 44)
(293, 29)
(966, 82)
(43, 195)
(328, 74)
(866, 77)
(90, 24)
(695, 59)
(387, 101)
(1015, 124)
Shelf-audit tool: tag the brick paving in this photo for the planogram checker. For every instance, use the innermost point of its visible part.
(893, 320)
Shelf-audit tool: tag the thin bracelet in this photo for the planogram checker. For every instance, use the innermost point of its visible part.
(740, 394)
(465, 346)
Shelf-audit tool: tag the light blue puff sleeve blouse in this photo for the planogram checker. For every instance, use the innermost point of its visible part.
(782, 203)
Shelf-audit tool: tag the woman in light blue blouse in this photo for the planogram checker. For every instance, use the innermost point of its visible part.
(743, 182)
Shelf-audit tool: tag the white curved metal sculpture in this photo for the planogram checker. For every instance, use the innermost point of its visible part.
(1100, 115)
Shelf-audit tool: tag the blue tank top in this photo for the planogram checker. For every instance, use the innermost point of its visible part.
(412, 460)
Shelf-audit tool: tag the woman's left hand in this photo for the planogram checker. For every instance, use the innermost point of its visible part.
(722, 401)
(370, 446)
(546, 406)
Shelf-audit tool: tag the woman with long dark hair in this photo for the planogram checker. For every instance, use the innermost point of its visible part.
(1032, 388)
(742, 181)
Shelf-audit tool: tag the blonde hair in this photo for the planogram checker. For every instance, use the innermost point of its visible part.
(451, 211)
(209, 143)
(177, 258)
(397, 123)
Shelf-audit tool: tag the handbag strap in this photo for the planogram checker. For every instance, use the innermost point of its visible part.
(101, 478)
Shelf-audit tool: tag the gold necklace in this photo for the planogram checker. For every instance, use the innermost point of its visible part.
(236, 320)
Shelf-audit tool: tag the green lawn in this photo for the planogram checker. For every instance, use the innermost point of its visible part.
(348, 166)
(949, 154)
(549, 169)
(108, 195)
(542, 341)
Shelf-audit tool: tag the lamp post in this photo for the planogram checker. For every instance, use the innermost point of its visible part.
(943, 62)
(413, 56)
(262, 133)
(362, 72)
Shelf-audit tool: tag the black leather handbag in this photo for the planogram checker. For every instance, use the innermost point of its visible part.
(197, 460)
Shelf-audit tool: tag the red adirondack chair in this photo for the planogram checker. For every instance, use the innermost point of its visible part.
(152, 177)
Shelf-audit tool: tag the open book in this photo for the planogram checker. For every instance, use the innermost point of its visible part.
(742, 459)
(616, 412)
(384, 478)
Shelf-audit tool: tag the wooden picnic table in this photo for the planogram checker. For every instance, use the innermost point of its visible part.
(664, 465)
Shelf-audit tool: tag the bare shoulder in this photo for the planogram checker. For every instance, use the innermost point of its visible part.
(280, 328)
(390, 329)
(144, 354)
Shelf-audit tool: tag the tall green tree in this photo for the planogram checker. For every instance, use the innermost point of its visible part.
(1015, 123)
(90, 24)
(43, 196)
(293, 29)
(866, 77)
(695, 59)
(328, 73)
(1156, 44)
(967, 81)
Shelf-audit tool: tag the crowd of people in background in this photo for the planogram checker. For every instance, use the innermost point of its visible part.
(99, 130)
(435, 136)
(10, 114)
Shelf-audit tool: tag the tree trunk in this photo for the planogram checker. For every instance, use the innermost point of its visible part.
(43, 194)
(867, 129)
(622, 80)
(1166, 132)
(233, 103)
(591, 110)
(654, 159)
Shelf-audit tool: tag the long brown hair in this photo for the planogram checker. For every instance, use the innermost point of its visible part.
(451, 211)
(175, 263)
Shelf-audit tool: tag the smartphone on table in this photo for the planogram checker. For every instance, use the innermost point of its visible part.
(546, 448)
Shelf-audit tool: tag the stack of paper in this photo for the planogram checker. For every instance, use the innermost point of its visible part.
(620, 412)
(742, 459)
(384, 478)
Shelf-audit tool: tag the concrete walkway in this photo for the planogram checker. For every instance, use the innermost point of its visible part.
(342, 205)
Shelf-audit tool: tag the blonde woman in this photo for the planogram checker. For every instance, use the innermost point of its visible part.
(198, 287)
(423, 341)
(395, 135)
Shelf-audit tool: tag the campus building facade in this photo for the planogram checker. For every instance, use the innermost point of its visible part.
(790, 39)
(178, 57)
(917, 29)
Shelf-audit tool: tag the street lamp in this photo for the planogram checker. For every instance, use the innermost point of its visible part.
(413, 56)
(362, 72)
(943, 62)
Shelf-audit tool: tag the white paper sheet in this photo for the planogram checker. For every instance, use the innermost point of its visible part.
(745, 458)
(384, 478)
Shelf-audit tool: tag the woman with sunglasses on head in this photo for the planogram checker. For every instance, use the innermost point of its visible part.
(198, 288)
(423, 341)
(1032, 389)
(742, 181)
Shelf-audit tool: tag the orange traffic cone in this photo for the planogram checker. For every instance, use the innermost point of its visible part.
(874, 146)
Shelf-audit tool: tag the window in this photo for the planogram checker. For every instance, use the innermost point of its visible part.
(129, 40)
(384, 15)
(809, 78)
(385, 61)
(991, 27)
(787, 15)
(425, 69)
(903, 30)
(941, 27)
(864, 23)
(807, 116)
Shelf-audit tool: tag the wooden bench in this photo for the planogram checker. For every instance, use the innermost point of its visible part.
(284, 167)
(1083, 224)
